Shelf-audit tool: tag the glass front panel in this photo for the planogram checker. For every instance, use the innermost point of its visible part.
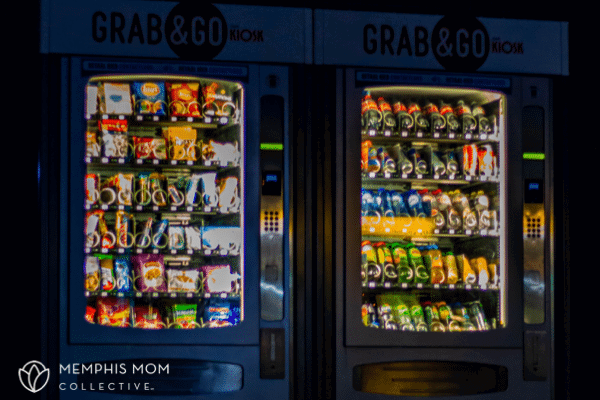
(432, 209)
(164, 207)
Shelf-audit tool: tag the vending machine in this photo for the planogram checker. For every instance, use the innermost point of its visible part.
(170, 159)
(441, 204)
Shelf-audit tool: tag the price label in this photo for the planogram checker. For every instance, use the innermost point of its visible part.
(404, 285)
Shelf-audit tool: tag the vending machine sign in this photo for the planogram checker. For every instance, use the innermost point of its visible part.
(451, 43)
(186, 30)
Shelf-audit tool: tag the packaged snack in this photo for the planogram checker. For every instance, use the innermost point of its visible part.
(91, 100)
(90, 314)
(228, 194)
(486, 161)
(92, 273)
(468, 159)
(193, 238)
(123, 224)
(218, 278)
(181, 142)
(122, 274)
(182, 280)
(224, 238)
(149, 272)
(219, 313)
(115, 98)
(160, 239)
(155, 188)
(113, 311)
(147, 317)
(184, 99)
(150, 98)
(226, 153)
(92, 147)
(176, 237)
(184, 315)
(217, 100)
(115, 142)
(107, 273)
(150, 148)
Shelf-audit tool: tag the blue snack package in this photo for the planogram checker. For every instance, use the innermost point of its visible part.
(219, 313)
(150, 98)
(122, 274)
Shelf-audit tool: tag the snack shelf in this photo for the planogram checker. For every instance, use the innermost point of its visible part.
(382, 287)
(372, 178)
(163, 295)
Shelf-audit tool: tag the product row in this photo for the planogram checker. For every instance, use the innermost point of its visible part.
(210, 100)
(471, 162)
(428, 119)
(452, 212)
(405, 312)
(172, 143)
(125, 313)
(150, 273)
(390, 265)
(203, 191)
(158, 236)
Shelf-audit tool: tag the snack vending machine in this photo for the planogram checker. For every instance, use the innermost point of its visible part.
(445, 244)
(172, 274)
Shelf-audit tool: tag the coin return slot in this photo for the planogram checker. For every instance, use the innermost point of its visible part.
(271, 221)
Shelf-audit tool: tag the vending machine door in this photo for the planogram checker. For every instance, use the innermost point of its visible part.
(162, 205)
(435, 192)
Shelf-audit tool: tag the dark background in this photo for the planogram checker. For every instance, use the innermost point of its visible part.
(22, 102)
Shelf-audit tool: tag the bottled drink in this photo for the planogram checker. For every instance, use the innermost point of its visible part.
(404, 271)
(452, 124)
(387, 163)
(483, 123)
(436, 120)
(388, 120)
(467, 121)
(421, 122)
(432, 317)
(404, 165)
(416, 262)
(404, 120)
(370, 116)
(419, 163)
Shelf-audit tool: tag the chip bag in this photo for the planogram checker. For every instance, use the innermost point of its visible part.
(149, 272)
(184, 99)
(113, 311)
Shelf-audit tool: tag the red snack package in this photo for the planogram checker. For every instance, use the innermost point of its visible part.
(184, 99)
(113, 311)
(147, 317)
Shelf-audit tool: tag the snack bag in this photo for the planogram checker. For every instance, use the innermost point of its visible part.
(91, 100)
(150, 148)
(184, 99)
(113, 311)
(184, 315)
(107, 273)
(181, 142)
(219, 313)
(193, 238)
(92, 147)
(147, 317)
(114, 137)
(115, 98)
(150, 98)
(122, 274)
(90, 314)
(176, 237)
(224, 238)
(149, 272)
(217, 100)
(182, 280)
(92, 274)
(480, 266)
(218, 278)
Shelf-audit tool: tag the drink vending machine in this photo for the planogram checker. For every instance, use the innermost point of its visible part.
(442, 205)
(172, 273)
